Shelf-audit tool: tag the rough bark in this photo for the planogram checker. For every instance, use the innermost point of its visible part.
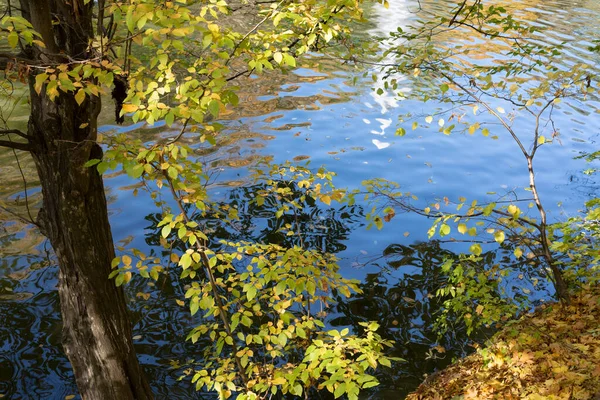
(62, 134)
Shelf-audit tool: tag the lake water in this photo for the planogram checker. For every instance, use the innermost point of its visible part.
(314, 113)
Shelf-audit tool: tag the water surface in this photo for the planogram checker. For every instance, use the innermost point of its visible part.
(322, 113)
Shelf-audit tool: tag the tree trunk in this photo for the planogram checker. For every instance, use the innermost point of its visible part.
(62, 137)
(74, 217)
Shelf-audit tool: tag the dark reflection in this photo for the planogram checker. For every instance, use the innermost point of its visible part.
(32, 363)
(325, 229)
(401, 298)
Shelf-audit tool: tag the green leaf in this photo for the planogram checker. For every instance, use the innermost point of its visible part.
(300, 332)
(444, 88)
(369, 384)
(340, 390)
(129, 19)
(475, 249)
(91, 163)
(102, 167)
(13, 39)
(194, 307)
(169, 118)
(289, 60)
(444, 230)
(499, 236)
(213, 108)
(251, 293)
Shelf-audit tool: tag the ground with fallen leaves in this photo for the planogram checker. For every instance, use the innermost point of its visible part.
(553, 353)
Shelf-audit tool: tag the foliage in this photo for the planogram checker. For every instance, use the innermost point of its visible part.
(577, 241)
(549, 354)
(263, 305)
(470, 94)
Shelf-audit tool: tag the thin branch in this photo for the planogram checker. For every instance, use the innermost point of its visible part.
(537, 126)
(15, 131)
(213, 283)
(17, 216)
(491, 111)
(238, 44)
(181, 132)
(457, 13)
(15, 145)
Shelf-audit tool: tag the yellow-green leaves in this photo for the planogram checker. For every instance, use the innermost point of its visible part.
(475, 249)
(13, 39)
(40, 79)
(499, 236)
(518, 253)
(444, 230)
(80, 96)
(18, 28)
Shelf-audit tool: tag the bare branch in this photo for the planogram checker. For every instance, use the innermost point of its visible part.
(15, 145)
(14, 131)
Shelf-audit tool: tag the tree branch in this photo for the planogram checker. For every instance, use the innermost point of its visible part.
(15, 145)
(15, 131)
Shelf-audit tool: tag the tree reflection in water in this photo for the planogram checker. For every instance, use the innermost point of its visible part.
(403, 306)
(325, 229)
(406, 309)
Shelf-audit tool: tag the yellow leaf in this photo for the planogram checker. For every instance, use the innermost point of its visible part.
(475, 249)
(462, 228)
(80, 96)
(126, 260)
(429, 119)
(499, 236)
(127, 108)
(518, 252)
